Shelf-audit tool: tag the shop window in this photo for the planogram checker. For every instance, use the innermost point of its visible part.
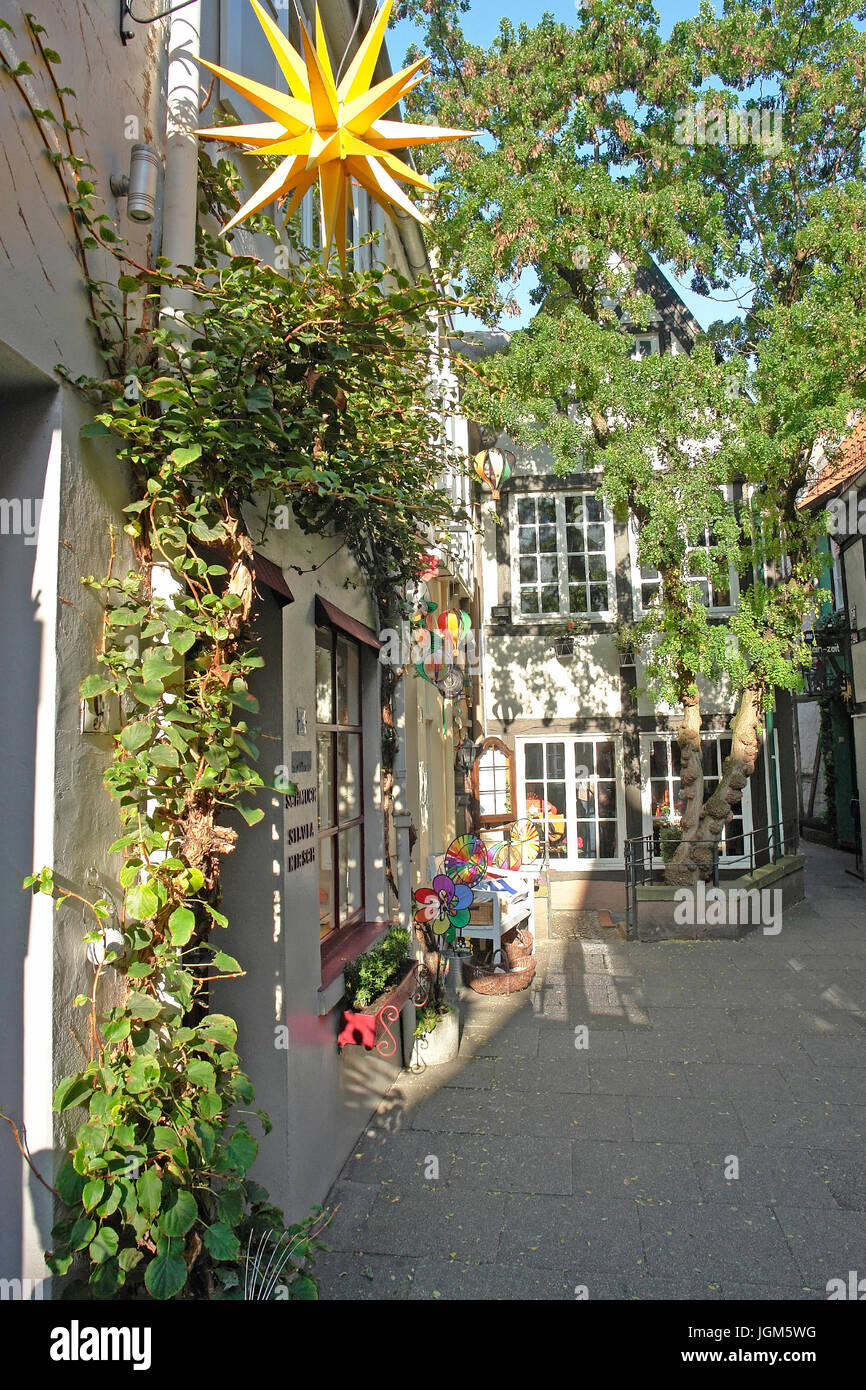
(339, 753)
(569, 787)
(662, 787)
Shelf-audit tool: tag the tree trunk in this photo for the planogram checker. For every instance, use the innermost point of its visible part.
(695, 856)
(679, 871)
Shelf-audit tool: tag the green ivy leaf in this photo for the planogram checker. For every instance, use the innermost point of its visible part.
(181, 924)
(104, 1244)
(141, 903)
(135, 736)
(222, 1242)
(149, 1189)
(177, 1219)
(165, 1276)
(92, 1194)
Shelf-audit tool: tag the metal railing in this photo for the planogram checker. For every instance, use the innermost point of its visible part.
(643, 861)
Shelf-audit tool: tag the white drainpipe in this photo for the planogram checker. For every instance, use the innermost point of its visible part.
(181, 146)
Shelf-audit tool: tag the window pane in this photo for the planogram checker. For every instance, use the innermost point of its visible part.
(534, 760)
(526, 509)
(349, 776)
(547, 509)
(577, 599)
(547, 539)
(348, 682)
(574, 509)
(598, 568)
(549, 569)
(607, 839)
(351, 894)
(584, 756)
(326, 780)
(550, 599)
(529, 600)
(526, 539)
(659, 758)
(595, 538)
(586, 839)
(577, 569)
(556, 761)
(326, 887)
(528, 570)
(594, 510)
(324, 699)
(605, 759)
(574, 543)
(598, 598)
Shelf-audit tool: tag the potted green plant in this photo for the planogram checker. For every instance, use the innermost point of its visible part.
(563, 636)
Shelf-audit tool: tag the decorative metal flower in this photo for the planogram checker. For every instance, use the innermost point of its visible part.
(329, 132)
(446, 902)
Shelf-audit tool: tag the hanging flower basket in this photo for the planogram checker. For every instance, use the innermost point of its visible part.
(563, 646)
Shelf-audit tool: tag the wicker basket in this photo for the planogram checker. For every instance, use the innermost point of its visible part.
(483, 979)
(518, 945)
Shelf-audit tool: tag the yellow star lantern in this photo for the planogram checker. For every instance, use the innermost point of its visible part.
(328, 132)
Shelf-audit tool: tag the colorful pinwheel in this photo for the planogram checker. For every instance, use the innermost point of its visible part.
(444, 907)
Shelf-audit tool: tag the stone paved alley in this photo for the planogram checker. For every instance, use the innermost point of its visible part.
(605, 1167)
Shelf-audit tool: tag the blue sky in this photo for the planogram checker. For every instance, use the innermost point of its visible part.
(481, 26)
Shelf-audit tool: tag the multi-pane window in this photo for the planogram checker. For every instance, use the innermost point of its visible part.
(569, 788)
(664, 787)
(340, 780)
(703, 573)
(493, 779)
(563, 556)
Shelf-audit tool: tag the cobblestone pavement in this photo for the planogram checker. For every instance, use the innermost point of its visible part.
(607, 1167)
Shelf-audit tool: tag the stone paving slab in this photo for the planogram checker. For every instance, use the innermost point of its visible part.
(558, 1167)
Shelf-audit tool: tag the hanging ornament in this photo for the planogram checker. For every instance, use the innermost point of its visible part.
(450, 682)
(454, 624)
(330, 133)
(493, 468)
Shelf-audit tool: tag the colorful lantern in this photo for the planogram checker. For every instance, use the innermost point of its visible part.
(493, 468)
(328, 132)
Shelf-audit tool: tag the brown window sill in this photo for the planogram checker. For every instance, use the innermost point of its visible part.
(347, 945)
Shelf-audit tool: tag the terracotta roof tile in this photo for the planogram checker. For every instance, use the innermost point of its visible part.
(847, 465)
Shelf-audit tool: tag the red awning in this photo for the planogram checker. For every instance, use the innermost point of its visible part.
(264, 570)
(329, 613)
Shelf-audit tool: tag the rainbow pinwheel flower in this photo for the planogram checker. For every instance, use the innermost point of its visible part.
(446, 902)
(329, 132)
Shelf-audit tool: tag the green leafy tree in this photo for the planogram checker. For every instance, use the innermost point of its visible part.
(605, 148)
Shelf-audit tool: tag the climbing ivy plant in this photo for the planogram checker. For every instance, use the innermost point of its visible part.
(292, 390)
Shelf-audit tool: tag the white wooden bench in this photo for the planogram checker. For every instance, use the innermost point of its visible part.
(512, 908)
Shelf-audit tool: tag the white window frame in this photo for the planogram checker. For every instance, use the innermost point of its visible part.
(715, 609)
(652, 339)
(608, 614)
(574, 861)
(669, 736)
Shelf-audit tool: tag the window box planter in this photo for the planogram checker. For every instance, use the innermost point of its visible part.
(361, 1026)
(563, 646)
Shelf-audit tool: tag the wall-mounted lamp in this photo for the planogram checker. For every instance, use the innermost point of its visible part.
(466, 755)
(140, 186)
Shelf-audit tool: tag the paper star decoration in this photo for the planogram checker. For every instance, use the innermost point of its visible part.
(330, 133)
